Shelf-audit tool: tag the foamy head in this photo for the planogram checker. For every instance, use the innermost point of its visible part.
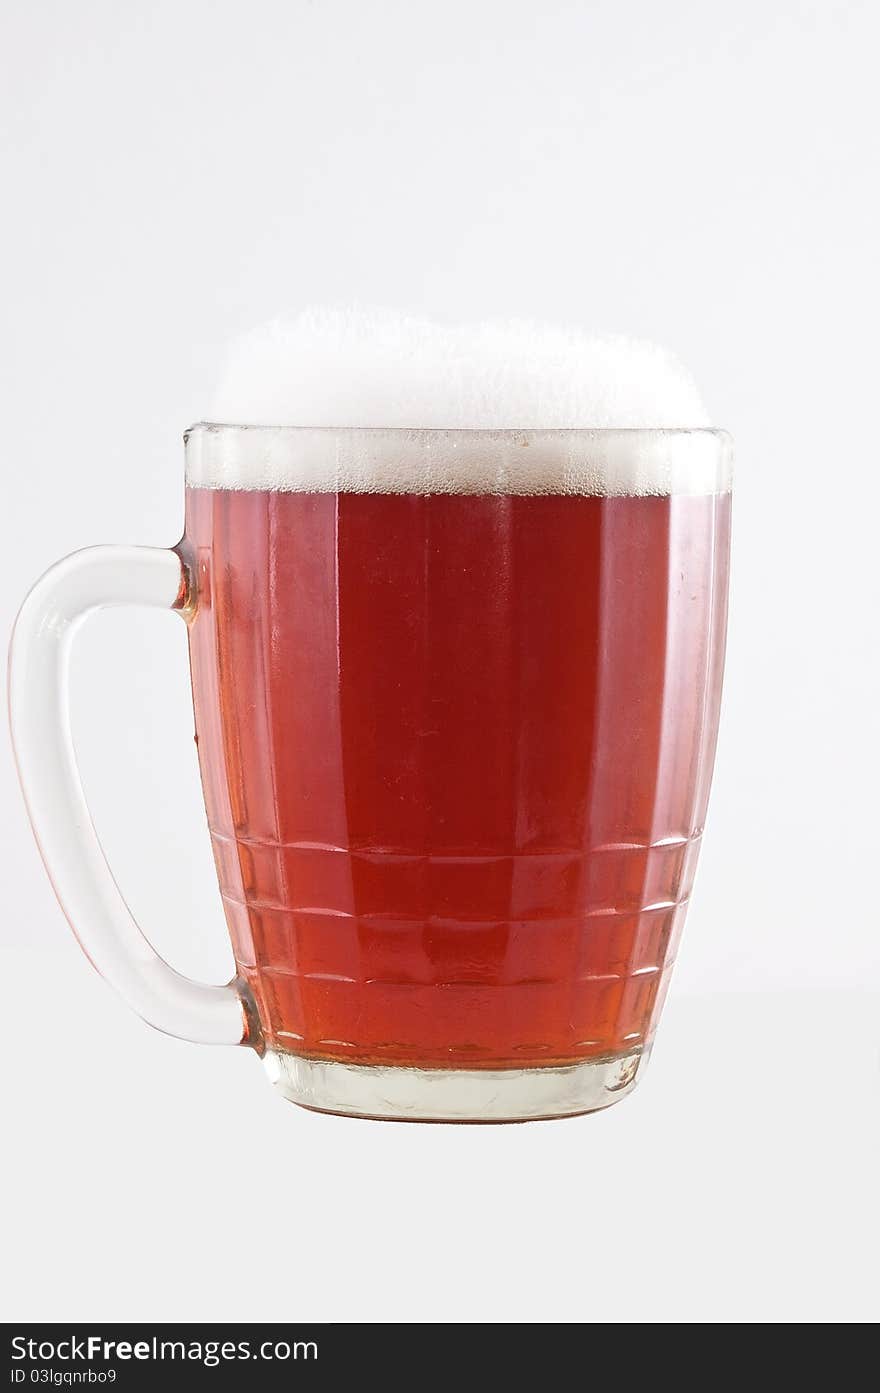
(380, 403)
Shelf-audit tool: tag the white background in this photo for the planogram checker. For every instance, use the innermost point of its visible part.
(702, 174)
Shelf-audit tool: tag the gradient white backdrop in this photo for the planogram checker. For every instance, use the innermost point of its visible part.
(701, 174)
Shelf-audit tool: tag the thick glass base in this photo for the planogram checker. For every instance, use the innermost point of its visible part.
(404, 1094)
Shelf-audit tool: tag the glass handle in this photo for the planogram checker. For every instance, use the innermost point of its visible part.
(41, 734)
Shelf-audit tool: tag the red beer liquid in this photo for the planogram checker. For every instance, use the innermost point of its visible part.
(456, 753)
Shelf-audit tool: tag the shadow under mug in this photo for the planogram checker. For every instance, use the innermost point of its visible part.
(456, 698)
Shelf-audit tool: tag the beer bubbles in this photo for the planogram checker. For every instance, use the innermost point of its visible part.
(334, 367)
(382, 402)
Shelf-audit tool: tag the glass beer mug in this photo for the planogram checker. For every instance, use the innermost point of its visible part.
(456, 698)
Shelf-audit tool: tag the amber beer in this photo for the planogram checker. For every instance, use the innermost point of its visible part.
(456, 750)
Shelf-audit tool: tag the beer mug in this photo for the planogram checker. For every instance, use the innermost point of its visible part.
(456, 699)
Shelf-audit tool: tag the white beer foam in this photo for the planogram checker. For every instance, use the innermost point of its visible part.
(383, 403)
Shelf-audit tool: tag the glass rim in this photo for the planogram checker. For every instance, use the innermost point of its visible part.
(464, 432)
(609, 460)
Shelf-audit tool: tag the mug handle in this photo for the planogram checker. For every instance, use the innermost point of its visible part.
(41, 735)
